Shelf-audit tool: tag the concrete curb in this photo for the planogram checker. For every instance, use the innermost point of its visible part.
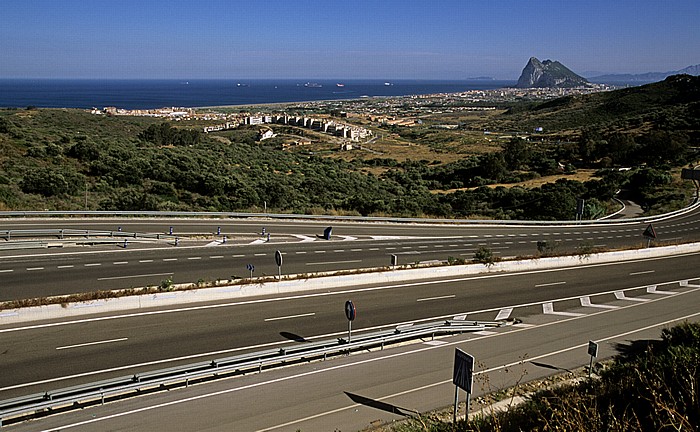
(230, 292)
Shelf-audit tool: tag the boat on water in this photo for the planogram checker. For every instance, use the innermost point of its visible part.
(242, 85)
(340, 85)
(388, 84)
(313, 85)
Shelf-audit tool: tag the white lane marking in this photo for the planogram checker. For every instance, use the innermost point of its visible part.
(290, 316)
(548, 309)
(354, 364)
(92, 343)
(135, 276)
(549, 284)
(300, 252)
(260, 254)
(586, 302)
(238, 256)
(6, 271)
(320, 251)
(504, 314)
(303, 238)
(436, 298)
(145, 261)
(169, 259)
(620, 295)
(194, 258)
(373, 249)
(357, 250)
(484, 333)
(216, 257)
(120, 262)
(333, 262)
(34, 268)
(348, 238)
(92, 265)
(338, 250)
(652, 290)
(641, 272)
(65, 266)
(434, 342)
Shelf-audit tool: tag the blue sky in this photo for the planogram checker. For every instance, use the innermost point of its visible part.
(408, 39)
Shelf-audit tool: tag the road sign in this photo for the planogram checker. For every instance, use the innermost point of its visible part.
(394, 260)
(278, 258)
(350, 311)
(650, 232)
(327, 233)
(592, 349)
(593, 352)
(463, 376)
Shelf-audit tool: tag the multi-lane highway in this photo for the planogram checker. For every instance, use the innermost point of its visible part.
(203, 256)
(561, 310)
(558, 307)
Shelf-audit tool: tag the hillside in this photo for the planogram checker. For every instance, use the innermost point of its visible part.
(61, 159)
(672, 104)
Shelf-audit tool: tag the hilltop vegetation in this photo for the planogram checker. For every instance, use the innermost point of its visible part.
(59, 159)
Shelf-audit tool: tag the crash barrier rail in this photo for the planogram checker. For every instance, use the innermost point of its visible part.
(84, 234)
(643, 219)
(78, 396)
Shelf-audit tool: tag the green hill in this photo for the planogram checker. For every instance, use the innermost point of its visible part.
(672, 105)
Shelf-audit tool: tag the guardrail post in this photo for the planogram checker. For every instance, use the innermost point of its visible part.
(102, 396)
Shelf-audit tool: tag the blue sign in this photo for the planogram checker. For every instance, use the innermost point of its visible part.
(350, 311)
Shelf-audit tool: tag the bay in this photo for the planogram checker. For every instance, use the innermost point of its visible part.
(150, 94)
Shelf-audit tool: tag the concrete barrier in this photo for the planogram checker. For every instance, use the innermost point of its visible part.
(287, 286)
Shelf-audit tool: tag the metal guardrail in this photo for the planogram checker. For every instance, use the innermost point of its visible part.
(644, 219)
(63, 234)
(93, 393)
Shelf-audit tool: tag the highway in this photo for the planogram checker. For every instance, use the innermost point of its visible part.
(39, 356)
(353, 392)
(203, 256)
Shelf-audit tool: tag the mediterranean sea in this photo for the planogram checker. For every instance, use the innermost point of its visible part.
(148, 94)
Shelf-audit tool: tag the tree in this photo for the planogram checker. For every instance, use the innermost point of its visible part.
(516, 154)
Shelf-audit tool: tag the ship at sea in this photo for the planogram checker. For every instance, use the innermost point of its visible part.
(340, 85)
(313, 85)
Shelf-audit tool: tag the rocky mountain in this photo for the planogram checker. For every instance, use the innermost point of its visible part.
(648, 77)
(548, 74)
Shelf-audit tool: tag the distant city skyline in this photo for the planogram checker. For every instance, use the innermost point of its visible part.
(362, 39)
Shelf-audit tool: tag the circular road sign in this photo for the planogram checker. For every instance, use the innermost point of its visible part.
(350, 311)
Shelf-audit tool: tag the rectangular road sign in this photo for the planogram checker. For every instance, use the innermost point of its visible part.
(592, 349)
(463, 376)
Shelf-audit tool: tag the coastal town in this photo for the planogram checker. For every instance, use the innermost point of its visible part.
(350, 120)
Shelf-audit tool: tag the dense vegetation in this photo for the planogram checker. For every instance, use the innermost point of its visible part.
(70, 159)
(651, 388)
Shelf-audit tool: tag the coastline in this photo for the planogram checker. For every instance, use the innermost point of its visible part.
(207, 94)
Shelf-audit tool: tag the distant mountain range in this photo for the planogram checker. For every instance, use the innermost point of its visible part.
(548, 74)
(648, 77)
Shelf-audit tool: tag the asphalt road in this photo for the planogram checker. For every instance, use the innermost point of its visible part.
(40, 356)
(353, 392)
(202, 256)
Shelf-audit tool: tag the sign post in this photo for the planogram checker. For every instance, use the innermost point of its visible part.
(593, 352)
(649, 234)
(462, 377)
(278, 260)
(350, 313)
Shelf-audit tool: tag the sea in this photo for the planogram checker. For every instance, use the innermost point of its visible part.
(150, 94)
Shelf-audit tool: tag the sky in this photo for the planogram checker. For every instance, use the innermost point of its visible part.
(349, 39)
